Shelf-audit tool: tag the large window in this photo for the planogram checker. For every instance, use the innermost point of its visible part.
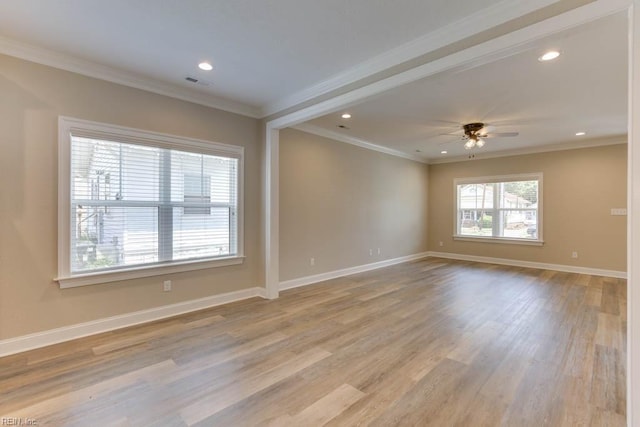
(503, 208)
(134, 203)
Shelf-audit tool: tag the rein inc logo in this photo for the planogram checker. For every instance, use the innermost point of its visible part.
(18, 421)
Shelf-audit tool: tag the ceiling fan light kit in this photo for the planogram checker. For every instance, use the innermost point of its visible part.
(474, 137)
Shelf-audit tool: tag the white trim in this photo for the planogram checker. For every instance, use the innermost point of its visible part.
(93, 69)
(80, 330)
(272, 211)
(91, 129)
(308, 280)
(316, 130)
(508, 241)
(538, 176)
(573, 145)
(144, 271)
(488, 51)
(478, 155)
(530, 264)
(68, 126)
(482, 20)
(633, 223)
(498, 178)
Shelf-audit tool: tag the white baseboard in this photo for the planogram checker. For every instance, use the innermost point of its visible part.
(308, 280)
(529, 264)
(67, 333)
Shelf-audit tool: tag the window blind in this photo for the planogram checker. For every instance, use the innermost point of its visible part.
(134, 205)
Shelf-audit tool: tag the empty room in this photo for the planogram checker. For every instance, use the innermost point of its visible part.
(307, 213)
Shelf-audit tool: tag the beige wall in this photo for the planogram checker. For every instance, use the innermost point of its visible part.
(580, 188)
(337, 201)
(31, 99)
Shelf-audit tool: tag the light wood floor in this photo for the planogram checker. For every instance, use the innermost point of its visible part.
(432, 342)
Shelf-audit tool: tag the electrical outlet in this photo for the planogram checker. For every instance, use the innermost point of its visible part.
(370, 252)
(378, 251)
(167, 285)
(440, 244)
(574, 254)
(312, 261)
(618, 211)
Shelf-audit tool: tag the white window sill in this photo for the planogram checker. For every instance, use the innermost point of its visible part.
(506, 240)
(146, 271)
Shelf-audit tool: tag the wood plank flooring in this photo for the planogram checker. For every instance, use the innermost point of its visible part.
(432, 342)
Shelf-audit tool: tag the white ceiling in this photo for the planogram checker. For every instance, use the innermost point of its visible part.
(261, 50)
(269, 55)
(585, 89)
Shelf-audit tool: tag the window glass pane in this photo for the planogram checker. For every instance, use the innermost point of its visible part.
(518, 224)
(476, 196)
(186, 175)
(518, 194)
(223, 174)
(105, 170)
(95, 170)
(201, 236)
(475, 222)
(140, 173)
(109, 237)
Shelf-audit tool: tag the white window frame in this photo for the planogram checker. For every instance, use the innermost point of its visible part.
(494, 179)
(68, 127)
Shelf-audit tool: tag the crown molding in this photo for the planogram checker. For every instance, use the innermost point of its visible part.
(316, 130)
(502, 12)
(88, 68)
(574, 145)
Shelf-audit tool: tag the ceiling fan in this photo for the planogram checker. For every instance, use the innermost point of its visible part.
(475, 134)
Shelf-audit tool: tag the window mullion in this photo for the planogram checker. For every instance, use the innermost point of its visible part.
(165, 209)
(496, 222)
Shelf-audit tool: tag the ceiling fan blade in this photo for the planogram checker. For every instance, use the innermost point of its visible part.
(499, 134)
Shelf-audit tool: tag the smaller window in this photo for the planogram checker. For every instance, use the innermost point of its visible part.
(501, 208)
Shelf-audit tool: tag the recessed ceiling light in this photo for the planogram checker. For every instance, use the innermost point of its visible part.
(581, 133)
(205, 66)
(346, 116)
(443, 152)
(552, 54)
